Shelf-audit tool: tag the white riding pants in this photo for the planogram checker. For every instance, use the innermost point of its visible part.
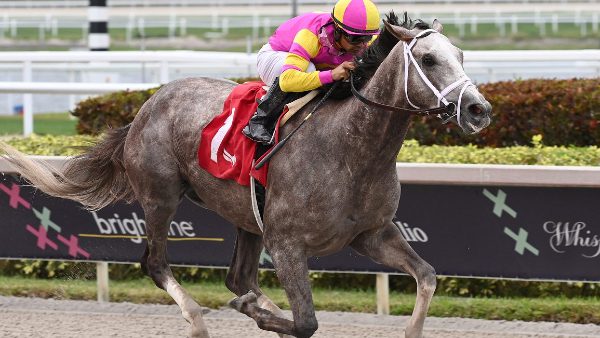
(270, 63)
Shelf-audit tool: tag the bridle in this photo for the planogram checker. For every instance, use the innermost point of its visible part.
(445, 112)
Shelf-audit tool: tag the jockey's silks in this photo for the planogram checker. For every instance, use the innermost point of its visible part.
(308, 38)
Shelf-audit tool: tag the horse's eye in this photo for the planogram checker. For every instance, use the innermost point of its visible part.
(428, 60)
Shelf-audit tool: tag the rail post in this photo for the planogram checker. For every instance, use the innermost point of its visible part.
(382, 287)
(27, 100)
(102, 281)
(98, 38)
(164, 72)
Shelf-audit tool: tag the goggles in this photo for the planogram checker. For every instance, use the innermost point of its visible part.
(352, 38)
(357, 39)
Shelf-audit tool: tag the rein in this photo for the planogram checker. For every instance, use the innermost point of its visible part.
(445, 112)
(280, 144)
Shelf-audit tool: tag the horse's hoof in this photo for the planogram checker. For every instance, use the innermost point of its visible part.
(413, 334)
(198, 330)
(198, 334)
(239, 302)
(235, 303)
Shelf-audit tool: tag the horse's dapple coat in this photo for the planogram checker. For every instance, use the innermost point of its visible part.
(334, 184)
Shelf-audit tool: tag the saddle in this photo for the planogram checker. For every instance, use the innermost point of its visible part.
(224, 151)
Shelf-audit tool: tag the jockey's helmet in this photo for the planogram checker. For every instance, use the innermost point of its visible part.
(356, 17)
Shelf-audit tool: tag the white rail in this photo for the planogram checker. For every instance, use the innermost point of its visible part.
(219, 20)
(148, 56)
(70, 87)
(244, 64)
(482, 66)
(504, 175)
(180, 3)
(77, 64)
(234, 59)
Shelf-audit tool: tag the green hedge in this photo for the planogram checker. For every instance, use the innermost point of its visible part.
(52, 145)
(411, 151)
(538, 154)
(564, 112)
(113, 110)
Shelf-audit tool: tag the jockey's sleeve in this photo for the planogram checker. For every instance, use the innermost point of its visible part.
(294, 77)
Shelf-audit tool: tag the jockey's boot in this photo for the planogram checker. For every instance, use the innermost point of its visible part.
(261, 126)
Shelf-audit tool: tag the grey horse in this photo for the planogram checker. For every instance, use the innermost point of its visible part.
(333, 185)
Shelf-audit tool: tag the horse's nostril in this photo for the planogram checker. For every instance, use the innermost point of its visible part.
(476, 109)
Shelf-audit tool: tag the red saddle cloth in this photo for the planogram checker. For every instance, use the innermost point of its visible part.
(224, 151)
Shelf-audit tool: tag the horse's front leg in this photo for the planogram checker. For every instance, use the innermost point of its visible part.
(387, 246)
(292, 270)
(242, 277)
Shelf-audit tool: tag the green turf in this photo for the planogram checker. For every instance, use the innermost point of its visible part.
(487, 36)
(51, 124)
(484, 31)
(215, 295)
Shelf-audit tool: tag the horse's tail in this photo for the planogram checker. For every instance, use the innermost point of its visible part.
(95, 179)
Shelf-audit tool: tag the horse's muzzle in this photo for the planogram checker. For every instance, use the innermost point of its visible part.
(477, 118)
(481, 110)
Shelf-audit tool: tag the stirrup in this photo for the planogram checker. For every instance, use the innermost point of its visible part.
(262, 137)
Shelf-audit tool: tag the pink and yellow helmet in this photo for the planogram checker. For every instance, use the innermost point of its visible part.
(357, 17)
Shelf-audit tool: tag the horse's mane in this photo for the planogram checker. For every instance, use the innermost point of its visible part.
(370, 60)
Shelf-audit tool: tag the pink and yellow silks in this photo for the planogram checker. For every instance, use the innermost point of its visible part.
(309, 38)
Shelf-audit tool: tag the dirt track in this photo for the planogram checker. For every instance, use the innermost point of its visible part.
(32, 317)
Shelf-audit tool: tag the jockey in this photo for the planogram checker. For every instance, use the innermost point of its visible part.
(307, 52)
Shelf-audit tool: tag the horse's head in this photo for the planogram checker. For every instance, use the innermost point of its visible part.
(434, 75)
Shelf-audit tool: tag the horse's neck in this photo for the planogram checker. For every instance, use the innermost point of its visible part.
(383, 130)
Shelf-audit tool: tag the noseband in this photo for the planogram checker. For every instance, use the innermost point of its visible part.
(445, 112)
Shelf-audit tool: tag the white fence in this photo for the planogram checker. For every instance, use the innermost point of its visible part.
(100, 72)
(484, 66)
(262, 16)
(163, 66)
(49, 24)
(144, 3)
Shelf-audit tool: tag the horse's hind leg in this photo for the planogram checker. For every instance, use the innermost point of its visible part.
(387, 246)
(159, 195)
(242, 277)
(292, 271)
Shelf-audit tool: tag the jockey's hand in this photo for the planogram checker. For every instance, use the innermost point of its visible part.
(342, 72)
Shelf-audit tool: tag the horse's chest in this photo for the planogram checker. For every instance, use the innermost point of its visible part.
(330, 208)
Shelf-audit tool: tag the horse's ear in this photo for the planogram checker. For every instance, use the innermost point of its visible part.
(437, 25)
(399, 32)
